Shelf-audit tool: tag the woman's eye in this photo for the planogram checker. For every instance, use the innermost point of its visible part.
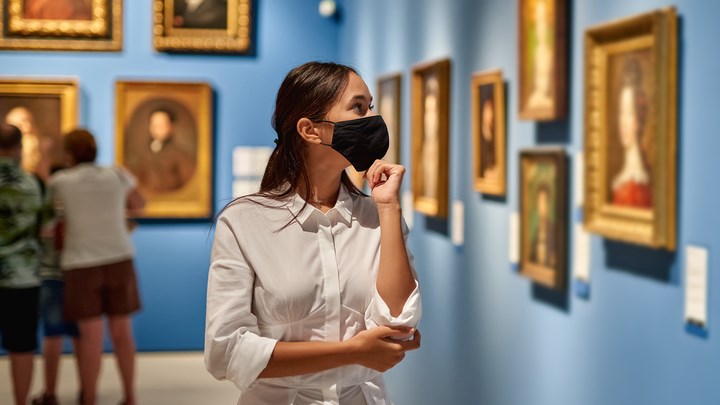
(358, 108)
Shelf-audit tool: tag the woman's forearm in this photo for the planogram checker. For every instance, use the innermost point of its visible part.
(395, 281)
(296, 358)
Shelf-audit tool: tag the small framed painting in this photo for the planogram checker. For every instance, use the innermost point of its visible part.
(430, 137)
(488, 132)
(542, 59)
(210, 26)
(64, 25)
(43, 110)
(543, 216)
(630, 129)
(164, 138)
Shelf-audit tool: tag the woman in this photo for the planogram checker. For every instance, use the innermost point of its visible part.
(631, 186)
(97, 258)
(311, 291)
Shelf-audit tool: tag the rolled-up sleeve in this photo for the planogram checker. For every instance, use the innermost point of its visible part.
(234, 349)
(378, 312)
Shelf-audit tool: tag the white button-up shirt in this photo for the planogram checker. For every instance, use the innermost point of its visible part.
(312, 280)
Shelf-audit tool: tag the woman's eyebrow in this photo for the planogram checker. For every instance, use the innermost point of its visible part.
(360, 97)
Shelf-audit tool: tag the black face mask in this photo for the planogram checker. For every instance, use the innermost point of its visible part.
(361, 141)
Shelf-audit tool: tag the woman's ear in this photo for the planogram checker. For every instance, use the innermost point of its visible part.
(307, 131)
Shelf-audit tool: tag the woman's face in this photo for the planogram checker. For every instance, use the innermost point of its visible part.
(627, 118)
(355, 102)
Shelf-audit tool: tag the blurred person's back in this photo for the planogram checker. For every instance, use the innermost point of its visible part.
(94, 200)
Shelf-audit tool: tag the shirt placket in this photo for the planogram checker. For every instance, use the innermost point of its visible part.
(331, 291)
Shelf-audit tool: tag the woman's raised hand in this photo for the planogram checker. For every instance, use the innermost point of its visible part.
(385, 180)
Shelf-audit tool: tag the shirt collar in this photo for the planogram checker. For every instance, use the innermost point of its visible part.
(343, 206)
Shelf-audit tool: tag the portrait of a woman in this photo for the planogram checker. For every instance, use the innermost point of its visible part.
(631, 186)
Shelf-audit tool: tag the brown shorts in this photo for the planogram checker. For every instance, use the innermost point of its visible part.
(93, 291)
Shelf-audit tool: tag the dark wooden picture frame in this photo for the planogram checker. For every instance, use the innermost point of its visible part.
(543, 216)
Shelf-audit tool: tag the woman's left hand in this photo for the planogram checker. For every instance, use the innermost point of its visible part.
(385, 179)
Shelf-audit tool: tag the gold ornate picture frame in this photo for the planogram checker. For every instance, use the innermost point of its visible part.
(542, 59)
(630, 129)
(44, 110)
(543, 216)
(214, 26)
(163, 136)
(430, 137)
(487, 90)
(69, 25)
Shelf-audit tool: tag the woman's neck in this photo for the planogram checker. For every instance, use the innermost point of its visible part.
(324, 186)
(633, 168)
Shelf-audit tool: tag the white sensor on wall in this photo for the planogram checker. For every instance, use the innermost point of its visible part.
(327, 8)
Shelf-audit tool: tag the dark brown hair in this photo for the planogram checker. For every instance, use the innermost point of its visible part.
(10, 137)
(308, 91)
(80, 144)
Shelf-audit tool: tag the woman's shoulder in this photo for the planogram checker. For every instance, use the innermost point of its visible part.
(254, 208)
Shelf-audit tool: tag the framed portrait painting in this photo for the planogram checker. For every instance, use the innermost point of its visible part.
(542, 59)
(213, 26)
(72, 25)
(387, 101)
(164, 138)
(488, 132)
(630, 129)
(543, 216)
(43, 110)
(430, 137)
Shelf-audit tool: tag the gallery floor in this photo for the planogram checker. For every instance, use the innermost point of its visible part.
(162, 378)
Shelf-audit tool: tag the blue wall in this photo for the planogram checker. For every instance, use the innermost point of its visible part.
(489, 336)
(173, 258)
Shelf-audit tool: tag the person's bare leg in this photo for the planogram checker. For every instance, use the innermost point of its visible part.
(21, 368)
(91, 340)
(124, 347)
(52, 349)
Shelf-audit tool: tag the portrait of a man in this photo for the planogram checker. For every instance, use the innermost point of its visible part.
(57, 9)
(38, 118)
(160, 146)
(488, 152)
(630, 138)
(203, 14)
